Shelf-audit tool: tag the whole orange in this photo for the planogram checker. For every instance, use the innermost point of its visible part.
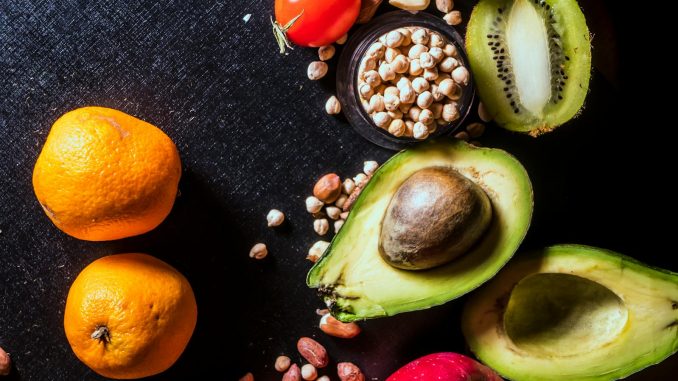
(105, 175)
(129, 315)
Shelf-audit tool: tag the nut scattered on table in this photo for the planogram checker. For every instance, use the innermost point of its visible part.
(332, 106)
(334, 327)
(453, 18)
(326, 52)
(316, 251)
(328, 188)
(321, 226)
(313, 352)
(292, 374)
(282, 363)
(316, 70)
(308, 372)
(247, 377)
(5, 363)
(275, 218)
(259, 251)
(313, 204)
(445, 6)
(475, 130)
(349, 372)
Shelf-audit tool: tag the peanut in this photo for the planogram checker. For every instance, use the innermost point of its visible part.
(349, 372)
(313, 352)
(5, 363)
(334, 327)
(293, 374)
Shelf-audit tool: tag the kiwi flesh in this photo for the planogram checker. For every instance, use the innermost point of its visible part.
(531, 60)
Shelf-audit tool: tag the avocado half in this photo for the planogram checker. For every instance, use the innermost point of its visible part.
(356, 283)
(574, 313)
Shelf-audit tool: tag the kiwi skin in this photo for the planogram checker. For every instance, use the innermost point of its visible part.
(570, 24)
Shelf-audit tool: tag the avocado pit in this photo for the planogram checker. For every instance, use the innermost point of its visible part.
(435, 216)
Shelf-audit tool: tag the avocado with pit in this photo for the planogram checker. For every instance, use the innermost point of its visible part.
(433, 223)
(574, 313)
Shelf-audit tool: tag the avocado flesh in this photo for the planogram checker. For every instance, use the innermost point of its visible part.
(574, 313)
(356, 283)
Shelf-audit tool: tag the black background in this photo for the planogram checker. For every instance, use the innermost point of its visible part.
(253, 135)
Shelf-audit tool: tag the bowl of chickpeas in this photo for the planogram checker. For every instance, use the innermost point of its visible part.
(404, 79)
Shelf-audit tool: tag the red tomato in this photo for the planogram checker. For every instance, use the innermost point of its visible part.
(322, 23)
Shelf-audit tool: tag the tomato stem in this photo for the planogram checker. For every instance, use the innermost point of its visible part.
(280, 32)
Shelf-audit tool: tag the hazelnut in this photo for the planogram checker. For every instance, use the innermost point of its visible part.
(328, 188)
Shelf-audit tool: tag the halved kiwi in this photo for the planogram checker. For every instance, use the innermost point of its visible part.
(531, 60)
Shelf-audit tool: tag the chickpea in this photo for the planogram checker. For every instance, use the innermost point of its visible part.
(394, 39)
(414, 113)
(372, 78)
(420, 85)
(365, 91)
(377, 103)
(461, 75)
(426, 60)
(431, 74)
(447, 87)
(397, 127)
(426, 117)
(450, 50)
(316, 70)
(437, 54)
(436, 40)
(450, 112)
(386, 72)
(416, 51)
(392, 90)
(448, 64)
(326, 52)
(391, 102)
(382, 119)
(376, 50)
(391, 54)
(420, 131)
(407, 95)
(415, 67)
(425, 99)
(420, 36)
(400, 64)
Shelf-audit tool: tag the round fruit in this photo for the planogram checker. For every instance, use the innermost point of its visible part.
(129, 316)
(436, 215)
(105, 175)
(444, 366)
(321, 23)
(531, 61)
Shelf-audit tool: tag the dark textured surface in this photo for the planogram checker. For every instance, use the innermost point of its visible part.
(253, 135)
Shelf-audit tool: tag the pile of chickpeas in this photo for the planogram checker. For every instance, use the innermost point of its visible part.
(410, 81)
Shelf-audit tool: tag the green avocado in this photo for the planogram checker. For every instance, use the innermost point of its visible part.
(357, 282)
(574, 313)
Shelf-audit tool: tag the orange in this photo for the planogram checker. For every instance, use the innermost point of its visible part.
(129, 315)
(105, 175)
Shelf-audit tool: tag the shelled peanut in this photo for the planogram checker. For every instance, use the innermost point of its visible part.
(410, 81)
